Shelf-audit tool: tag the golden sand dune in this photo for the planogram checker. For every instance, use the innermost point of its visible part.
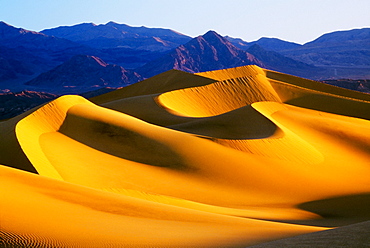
(227, 158)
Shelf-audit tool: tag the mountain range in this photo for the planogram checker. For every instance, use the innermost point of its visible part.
(83, 57)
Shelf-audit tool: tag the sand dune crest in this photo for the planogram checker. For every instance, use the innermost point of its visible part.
(227, 158)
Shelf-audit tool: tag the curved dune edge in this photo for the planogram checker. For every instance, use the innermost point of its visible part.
(98, 218)
(280, 145)
(233, 158)
(219, 97)
(46, 119)
(105, 138)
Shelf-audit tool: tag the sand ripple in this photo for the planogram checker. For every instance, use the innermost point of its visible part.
(228, 158)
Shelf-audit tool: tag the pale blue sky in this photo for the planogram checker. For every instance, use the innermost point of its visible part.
(292, 20)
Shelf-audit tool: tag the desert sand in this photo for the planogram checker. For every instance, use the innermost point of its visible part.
(230, 158)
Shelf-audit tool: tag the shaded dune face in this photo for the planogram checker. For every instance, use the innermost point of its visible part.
(247, 123)
(226, 158)
(124, 141)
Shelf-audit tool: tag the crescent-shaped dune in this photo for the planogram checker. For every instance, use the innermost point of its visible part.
(228, 158)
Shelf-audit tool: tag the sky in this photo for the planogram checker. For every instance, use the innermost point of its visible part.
(297, 21)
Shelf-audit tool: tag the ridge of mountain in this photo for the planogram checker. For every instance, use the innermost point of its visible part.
(13, 37)
(202, 53)
(85, 72)
(115, 30)
(113, 35)
(270, 44)
(275, 44)
(146, 31)
(359, 35)
(8, 31)
(342, 51)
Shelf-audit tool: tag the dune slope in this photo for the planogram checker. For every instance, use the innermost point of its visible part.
(228, 158)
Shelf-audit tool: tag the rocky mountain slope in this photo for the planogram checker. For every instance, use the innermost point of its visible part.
(211, 51)
(203, 53)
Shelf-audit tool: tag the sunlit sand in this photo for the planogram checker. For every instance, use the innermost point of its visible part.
(228, 158)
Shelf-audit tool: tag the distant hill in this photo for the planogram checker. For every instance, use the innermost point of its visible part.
(270, 44)
(13, 104)
(84, 72)
(346, 54)
(274, 44)
(351, 84)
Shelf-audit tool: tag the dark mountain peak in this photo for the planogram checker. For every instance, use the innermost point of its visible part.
(206, 52)
(221, 46)
(85, 24)
(112, 23)
(211, 33)
(213, 37)
(116, 24)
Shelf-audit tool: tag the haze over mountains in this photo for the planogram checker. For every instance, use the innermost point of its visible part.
(34, 60)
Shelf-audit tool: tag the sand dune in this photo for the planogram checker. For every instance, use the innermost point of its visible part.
(226, 158)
